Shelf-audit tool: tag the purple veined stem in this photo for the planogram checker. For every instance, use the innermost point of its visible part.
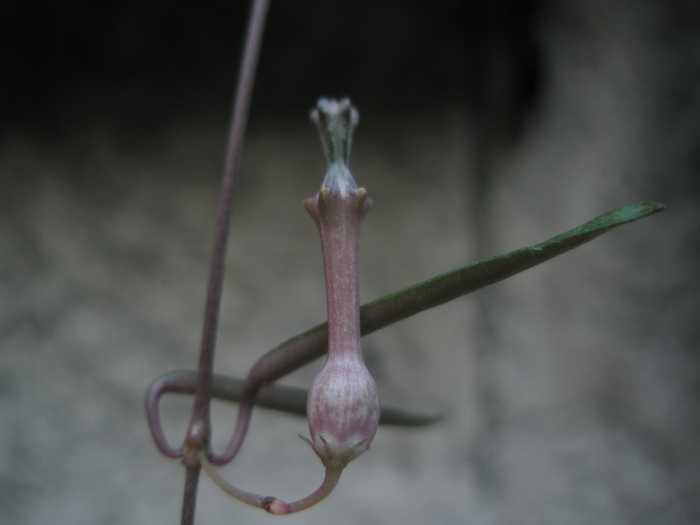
(199, 430)
(270, 503)
(200, 426)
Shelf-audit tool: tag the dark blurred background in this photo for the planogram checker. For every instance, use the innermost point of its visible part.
(138, 65)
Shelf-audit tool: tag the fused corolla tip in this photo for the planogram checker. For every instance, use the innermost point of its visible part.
(343, 412)
(336, 120)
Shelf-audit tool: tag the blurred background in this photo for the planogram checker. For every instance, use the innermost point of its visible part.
(570, 393)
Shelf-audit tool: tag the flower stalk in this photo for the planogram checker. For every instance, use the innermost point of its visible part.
(272, 504)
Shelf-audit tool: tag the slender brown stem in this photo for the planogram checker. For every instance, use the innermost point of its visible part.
(239, 120)
(270, 503)
(330, 480)
(254, 500)
(245, 412)
(199, 431)
(190, 494)
(170, 382)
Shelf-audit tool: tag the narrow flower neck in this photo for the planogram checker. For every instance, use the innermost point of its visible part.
(338, 219)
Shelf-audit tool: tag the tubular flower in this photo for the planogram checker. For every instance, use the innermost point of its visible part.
(343, 403)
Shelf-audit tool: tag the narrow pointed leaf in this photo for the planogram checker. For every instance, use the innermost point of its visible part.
(451, 285)
(277, 397)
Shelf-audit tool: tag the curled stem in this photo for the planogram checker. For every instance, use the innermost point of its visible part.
(285, 398)
(272, 504)
(245, 413)
(330, 480)
(198, 434)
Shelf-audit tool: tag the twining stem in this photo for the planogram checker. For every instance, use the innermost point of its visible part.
(239, 121)
(189, 496)
(270, 503)
(284, 398)
(199, 431)
(254, 500)
(330, 480)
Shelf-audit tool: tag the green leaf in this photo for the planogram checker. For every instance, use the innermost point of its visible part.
(448, 286)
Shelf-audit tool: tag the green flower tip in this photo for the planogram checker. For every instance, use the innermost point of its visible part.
(336, 120)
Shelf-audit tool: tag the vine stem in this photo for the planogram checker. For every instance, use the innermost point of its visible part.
(272, 504)
(199, 431)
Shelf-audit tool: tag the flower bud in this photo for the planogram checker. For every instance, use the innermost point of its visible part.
(343, 404)
(343, 411)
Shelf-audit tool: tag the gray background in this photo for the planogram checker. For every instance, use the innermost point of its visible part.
(570, 392)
